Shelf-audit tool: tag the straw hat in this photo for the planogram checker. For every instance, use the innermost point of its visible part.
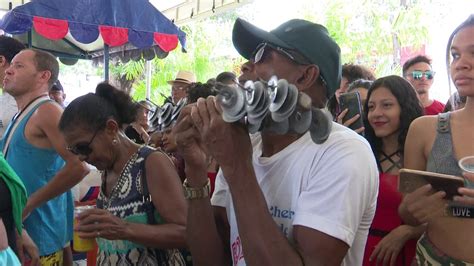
(184, 77)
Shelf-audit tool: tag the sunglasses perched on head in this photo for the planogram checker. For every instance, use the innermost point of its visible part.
(259, 53)
(418, 75)
(83, 148)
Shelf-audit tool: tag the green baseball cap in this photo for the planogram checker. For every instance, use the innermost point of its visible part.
(309, 39)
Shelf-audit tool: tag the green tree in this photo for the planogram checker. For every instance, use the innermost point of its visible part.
(373, 32)
(369, 32)
(126, 74)
(206, 56)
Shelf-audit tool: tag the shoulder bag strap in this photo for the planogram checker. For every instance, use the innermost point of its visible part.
(149, 207)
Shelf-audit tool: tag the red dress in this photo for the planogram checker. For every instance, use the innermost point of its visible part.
(386, 219)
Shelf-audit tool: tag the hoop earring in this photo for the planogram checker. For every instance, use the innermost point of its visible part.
(114, 142)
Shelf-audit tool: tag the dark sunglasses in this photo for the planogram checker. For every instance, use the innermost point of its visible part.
(83, 148)
(296, 57)
(418, 75)
(259, 52)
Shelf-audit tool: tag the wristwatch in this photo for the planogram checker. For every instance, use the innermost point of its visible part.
(196, 193)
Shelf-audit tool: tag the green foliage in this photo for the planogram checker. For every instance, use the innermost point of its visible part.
(131, 70)
(373, 34)
(205, 57)
(369, 32)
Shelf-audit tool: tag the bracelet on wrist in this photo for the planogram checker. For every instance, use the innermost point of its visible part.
(191, 193)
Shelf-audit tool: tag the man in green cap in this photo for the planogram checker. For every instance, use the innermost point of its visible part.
(12, 190)
(279, 199)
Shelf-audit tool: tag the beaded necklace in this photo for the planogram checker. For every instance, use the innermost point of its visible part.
(121, 180)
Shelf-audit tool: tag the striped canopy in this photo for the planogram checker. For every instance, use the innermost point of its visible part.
(135, 22)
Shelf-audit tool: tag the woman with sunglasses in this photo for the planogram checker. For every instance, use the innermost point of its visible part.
(124, 229)
(391, 106)
(435, 144)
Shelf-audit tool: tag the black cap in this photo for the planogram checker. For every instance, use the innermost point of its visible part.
(309, 39)
(57, 86)
(147, 105)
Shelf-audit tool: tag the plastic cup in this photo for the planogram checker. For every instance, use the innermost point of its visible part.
(81, 244)
(467, 164)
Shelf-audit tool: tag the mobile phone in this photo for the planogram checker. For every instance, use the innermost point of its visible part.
(410, 180)
(351, 101)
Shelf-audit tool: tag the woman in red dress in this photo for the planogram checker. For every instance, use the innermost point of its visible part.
(392, 104)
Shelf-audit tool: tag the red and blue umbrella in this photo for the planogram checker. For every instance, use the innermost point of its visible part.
(117, 23)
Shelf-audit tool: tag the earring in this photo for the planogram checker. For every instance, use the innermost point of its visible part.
(114, 141)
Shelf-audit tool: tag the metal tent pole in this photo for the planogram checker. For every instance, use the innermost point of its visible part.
(106, 62)
(148, 78)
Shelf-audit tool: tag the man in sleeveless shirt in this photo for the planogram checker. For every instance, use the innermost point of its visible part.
(9, 47)
(37, 152)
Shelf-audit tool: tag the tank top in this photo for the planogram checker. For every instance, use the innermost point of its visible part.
(441, 158)
(50, 225)
(127, 201)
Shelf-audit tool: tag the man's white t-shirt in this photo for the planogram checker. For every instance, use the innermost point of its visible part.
(330, 187)
(8, 109)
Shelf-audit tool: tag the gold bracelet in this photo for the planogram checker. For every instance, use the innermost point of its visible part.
(196, 193)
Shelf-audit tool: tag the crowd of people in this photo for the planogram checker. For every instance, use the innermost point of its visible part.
(206, 192)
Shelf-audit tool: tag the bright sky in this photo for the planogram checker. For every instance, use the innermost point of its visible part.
(271, 13)
(268, 14)
(457, 11)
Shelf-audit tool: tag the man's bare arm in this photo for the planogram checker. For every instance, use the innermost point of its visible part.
(263, 242)
(47, 119)
(205, 231)
(3, 236)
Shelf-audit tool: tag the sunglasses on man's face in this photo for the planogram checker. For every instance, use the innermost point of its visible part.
(259, 53)
(418, 75)
(83, 148)
(294, 56)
